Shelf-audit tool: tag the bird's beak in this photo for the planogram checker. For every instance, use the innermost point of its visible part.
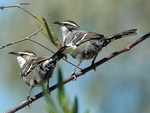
(59, 23)
(13, 53)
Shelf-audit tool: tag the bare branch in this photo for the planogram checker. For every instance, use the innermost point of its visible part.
(28, 37)
(10, 6)
(82, 72)
(21, 40)
(19, 6)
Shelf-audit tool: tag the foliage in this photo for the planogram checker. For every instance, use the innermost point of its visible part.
(47, 31)
(62, 99)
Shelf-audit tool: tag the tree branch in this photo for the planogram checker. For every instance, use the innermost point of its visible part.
(28, 37)
(33, 34)
(10, 6)
(82, 72)
(19, 6)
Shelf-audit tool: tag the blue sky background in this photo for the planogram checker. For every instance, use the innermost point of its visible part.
(119, 86)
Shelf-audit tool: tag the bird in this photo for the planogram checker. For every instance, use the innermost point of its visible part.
(86, 44)
(35, 70)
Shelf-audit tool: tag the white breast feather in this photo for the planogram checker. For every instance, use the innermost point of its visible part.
(65, 32)
(21, 61)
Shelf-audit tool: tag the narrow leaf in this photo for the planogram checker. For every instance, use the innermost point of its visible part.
(62, 98)
(48, 31)
(50, 102)
(50, 109)
(75, 106)
(61, 93)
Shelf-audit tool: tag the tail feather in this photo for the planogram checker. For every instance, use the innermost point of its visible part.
(59, 54)
(51, 63)
(123, 34)
(130, 32)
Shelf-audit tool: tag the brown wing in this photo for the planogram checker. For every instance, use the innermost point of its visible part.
(91, 36)
(31, 64)
(40, 59)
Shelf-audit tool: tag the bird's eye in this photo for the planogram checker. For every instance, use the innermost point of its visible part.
(65, 24)
(21, 54)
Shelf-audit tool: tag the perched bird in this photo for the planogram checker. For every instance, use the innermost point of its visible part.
(86, 44)
(37, 70)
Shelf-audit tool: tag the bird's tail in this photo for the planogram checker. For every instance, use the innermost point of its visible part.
(123, 34)
(119, 35)
(59, 54)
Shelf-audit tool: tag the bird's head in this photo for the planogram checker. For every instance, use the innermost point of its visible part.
(67, 27)
(23, 56)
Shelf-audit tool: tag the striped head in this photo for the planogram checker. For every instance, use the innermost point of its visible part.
(67, 27)
(23, 56)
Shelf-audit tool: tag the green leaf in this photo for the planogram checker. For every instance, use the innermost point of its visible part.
(62, 98)
(50, 106)
(75, 106)
(48, 31)
(61, 93)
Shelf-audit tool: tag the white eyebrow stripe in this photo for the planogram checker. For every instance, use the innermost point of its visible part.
(26, 53)
(71, 24)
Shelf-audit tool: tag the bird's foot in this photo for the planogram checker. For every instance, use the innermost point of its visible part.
(94, 66)
(30, 100)
(74, 76)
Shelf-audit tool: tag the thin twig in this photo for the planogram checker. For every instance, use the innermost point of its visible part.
(82, 72)
(28, 37)
(19, 6)
(40, 45)
(33, 34)
(10, 6)
(21, 40)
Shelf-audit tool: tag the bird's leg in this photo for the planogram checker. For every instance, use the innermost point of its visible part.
(48, 87)
(28, 97)
(92, 64)
(73, 73)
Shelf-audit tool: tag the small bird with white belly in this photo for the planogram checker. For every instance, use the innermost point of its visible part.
(37, 70)
(86, 44)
